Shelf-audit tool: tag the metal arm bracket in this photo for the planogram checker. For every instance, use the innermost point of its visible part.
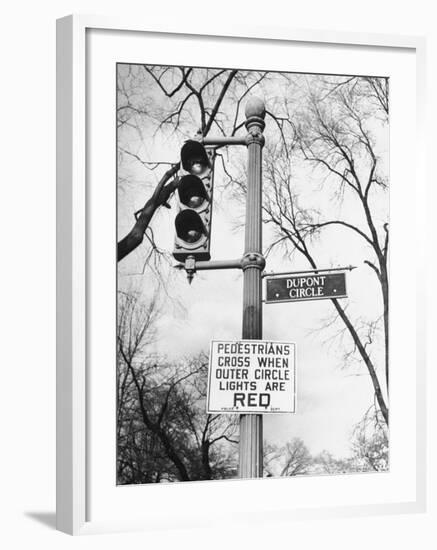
(249, 260)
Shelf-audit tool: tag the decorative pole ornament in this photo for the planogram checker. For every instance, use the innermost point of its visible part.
(251, 429)
(255, 112)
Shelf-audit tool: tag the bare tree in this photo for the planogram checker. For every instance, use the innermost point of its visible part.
(292, 459)
(370, 442)
(334, 133)
(327, 463)
(296, 457)
(163, 430)
(368, 453)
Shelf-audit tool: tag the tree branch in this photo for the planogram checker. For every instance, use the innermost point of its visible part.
(160, 196)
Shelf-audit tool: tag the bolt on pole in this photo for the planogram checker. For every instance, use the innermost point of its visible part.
(251, 428)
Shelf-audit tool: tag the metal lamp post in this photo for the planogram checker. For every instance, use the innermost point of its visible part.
(251, 432)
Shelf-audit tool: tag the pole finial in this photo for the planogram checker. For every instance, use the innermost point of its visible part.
(255, 107)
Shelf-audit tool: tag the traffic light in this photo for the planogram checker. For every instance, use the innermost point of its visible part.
(193, 221)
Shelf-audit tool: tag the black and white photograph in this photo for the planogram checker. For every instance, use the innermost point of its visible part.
(252, 274)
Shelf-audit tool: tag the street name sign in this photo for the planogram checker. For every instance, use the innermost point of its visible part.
(251, 376)
(313, 286)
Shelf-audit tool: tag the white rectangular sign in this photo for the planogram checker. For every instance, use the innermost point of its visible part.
(251, 376)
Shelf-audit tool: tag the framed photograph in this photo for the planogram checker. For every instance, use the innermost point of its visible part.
(240, 275)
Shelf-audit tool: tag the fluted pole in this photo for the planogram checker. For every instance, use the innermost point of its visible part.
(251, 429)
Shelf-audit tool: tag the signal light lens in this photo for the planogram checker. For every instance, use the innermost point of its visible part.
(194, 158)
(192, 192)
(189, 226)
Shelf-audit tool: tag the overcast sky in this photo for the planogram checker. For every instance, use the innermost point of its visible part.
(331, 397)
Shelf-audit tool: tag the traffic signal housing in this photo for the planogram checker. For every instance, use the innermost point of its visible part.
(195, 192)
